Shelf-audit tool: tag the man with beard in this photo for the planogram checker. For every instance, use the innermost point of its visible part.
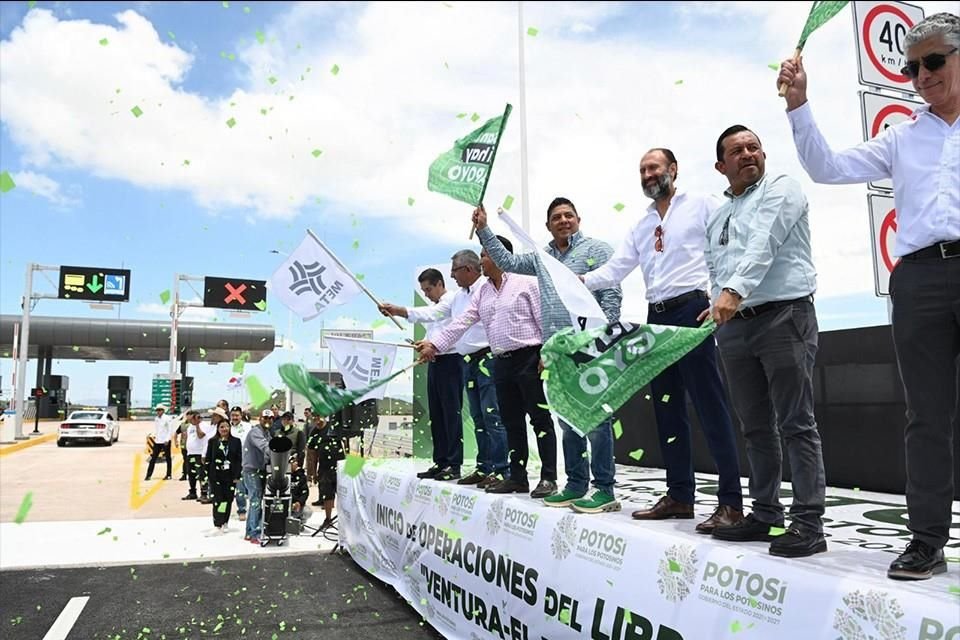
(668, 243)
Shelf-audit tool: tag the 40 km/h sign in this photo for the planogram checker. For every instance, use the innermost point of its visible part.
(883, 231)
(879, 113)
(880, 30)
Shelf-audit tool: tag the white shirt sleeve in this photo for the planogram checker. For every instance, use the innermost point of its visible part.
(611, 273)
(433, 313)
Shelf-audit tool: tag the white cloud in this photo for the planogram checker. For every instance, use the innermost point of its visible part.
(47, 188)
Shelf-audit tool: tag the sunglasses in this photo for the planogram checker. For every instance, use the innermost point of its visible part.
(658, 243)
(725, 232)
(930, 62)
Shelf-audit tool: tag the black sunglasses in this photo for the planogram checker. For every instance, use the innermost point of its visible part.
(725, 232)
(930, 62)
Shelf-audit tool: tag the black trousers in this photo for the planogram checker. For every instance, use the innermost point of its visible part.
(223, 493)
(519, 392)
(926, 334)
(445, 401)
(196, 471)
(155, 455)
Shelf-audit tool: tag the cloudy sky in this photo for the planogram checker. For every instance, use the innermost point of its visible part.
(377, 88)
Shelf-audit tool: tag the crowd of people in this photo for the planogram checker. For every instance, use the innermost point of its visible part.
(227, 458)
(744, 259)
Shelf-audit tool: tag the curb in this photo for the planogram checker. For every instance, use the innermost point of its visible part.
(26, 444)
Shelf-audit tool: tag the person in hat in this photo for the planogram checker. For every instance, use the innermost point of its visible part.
(288, 429)
(223, 464)
(162, 434)
(256, 453)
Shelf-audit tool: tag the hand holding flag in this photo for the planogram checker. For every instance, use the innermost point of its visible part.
(820, 13)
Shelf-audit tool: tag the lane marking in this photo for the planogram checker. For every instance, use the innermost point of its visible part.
(67, 618)
(137, 500)
(20, 446)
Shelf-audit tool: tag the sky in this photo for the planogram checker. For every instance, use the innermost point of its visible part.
(378, 88)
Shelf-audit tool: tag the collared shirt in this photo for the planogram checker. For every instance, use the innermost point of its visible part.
(767, 253)
(435, 316)
(680, 267)
(197, 446)
(582, 255)
(475, 337)
(240, 430)
(510, 315)
(162, 429)
(921, 156)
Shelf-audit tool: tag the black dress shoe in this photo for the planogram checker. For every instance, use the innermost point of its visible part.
(168, 477)
(509, 486)
(189, 496)
(665, 508)
(448, 473)
(473, 478)
(798, 543)
(919, 561)
(544, 489)
(747, 530)
(318, 503)
(430, 473)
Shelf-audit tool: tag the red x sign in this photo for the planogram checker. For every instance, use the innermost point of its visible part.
(234, 293)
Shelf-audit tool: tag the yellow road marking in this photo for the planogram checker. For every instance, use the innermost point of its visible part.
(136, 500)
(19, 446)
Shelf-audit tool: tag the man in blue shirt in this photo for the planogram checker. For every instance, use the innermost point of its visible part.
(759, 258)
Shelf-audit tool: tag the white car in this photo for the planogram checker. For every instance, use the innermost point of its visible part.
(89, 425)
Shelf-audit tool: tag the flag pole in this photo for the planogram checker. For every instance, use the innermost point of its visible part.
(368, 341)
(796, 53)
(496, 146)
(522, 104)
(350, 273)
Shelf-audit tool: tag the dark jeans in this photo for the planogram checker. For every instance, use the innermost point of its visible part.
(445, 401)
(488, 428)
(601, 463)
(519, 391)
(695, 374)
(769, 362)
(223, 492)
(926, 334)
(196, 471)
(155, 455)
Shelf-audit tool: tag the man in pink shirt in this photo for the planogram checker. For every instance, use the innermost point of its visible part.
(508, 306)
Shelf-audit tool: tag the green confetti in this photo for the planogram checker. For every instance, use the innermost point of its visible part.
(203, 352)
(356, 244)
(474, 117)
(954, 589)
(665, 398)
(104, 530)
(258, 393)
(564, 616)
(636, 454)
(246, 9)
(379, 322)
(261, 38)
(507, 203)
(532, 31)
(675, 566)
(753, 602)
(617, 430)
(451, 533)
(76, 348)
(261, 304)
(671, 439)
(231, 123)
(172, 35)
(735, 626)
(25, 505)
(6, 182)
(461, 115)
(316, 153)
(335, 69)
(226, 5)
(619, 207)
(591, 262)
(222, 507)
(137, 112)
(104, 42)
(678, 82)
(545, 406)
(775, 66)
(165, 296)
(353, 465)
(410, 202)
(777, 531)
(271, 80)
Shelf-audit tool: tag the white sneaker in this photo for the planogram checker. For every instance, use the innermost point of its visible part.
(216, 531)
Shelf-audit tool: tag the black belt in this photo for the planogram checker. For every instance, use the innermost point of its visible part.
(752, 312)
(479, 354)
(516, 352)
(672, 303)
(941, 250)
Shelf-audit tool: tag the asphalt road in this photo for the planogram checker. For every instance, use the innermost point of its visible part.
(312, 595)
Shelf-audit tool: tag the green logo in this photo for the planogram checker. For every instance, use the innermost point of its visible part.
(677, 571)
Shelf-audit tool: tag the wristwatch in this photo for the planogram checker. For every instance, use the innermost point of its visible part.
(733, 292)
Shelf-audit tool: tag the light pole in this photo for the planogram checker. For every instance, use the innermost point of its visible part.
(289, 394)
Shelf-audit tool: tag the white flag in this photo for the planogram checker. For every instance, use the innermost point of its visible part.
(311, 280)
(575, 296)
(362, 362)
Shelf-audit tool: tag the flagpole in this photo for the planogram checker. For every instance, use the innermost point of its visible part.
(524, 200)
(387, 344)
(796, 53)
(350, 273)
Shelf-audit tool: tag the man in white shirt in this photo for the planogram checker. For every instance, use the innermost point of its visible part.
(922, 157)
(444, 379)
(668, 244)
(162, 432)
(198, 435)
(477, 364)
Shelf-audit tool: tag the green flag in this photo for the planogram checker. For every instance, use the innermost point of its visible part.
(325, 399)
(820, 13)
(590, 374)
(463, 172)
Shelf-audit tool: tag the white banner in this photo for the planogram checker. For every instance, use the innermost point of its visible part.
(310, 280)
(363, 362)
(476, 565)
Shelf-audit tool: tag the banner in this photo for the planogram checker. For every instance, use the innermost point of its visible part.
(591, 374)
(325, 399)
(363, 362)
(820, 13)
(463, 172)
(310, 280)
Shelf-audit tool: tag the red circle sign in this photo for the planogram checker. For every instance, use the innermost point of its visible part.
(888, 228)
(867, 23)
(886, 112)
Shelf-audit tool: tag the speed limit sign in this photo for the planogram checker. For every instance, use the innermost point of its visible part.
(879, 113)
(880, 31)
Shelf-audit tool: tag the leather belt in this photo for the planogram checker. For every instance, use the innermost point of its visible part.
(753, 312)
(672, 303)
(477, 355)
(509, 354)
(941, 250)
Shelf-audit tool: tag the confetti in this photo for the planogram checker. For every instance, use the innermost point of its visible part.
(954, 589)
(104, 530)
(461, 115)
(671, 439)
(335, 69)
(675, 566)
(410, 202)
(665, 398)
(379, 322)
(532, 31)
(226, 5)
(261, 304)
(735, 626)
(678, 82)
(25, 505)
(564, 616)
(777, 531)
(316, 153)
(636, 454)
(172, 35)
(203, 352)
(246, 9)
(261, 38)
(617, 430)
(76, 348)
(619, 207)
(775, 66)
(258, 393)
(474, 117)
(544, 406)
(137, 112)
(165, 296)
(231, 123)
(353, 465)
(507, 203)
(6, 182)
(271, 80)
(356, 244)
(591, 262)
(104, 42)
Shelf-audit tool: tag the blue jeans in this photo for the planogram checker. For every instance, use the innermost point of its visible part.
(241, 497)
(601, 458)
(252, 481)
(482, 396)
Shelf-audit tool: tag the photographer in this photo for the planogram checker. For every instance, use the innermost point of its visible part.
(299, 491)
(329, 452)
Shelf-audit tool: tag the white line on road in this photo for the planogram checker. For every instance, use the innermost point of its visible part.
(67, 618)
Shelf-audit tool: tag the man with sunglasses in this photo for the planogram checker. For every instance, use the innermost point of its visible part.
(759, 257)
(667, 242)
(922, 157)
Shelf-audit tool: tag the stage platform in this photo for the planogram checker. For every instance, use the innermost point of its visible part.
(477, 566)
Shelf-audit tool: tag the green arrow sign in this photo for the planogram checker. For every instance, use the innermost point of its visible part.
(95, 285)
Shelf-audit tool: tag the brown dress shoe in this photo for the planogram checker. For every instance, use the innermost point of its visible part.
(723, 516)
(665, 508)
